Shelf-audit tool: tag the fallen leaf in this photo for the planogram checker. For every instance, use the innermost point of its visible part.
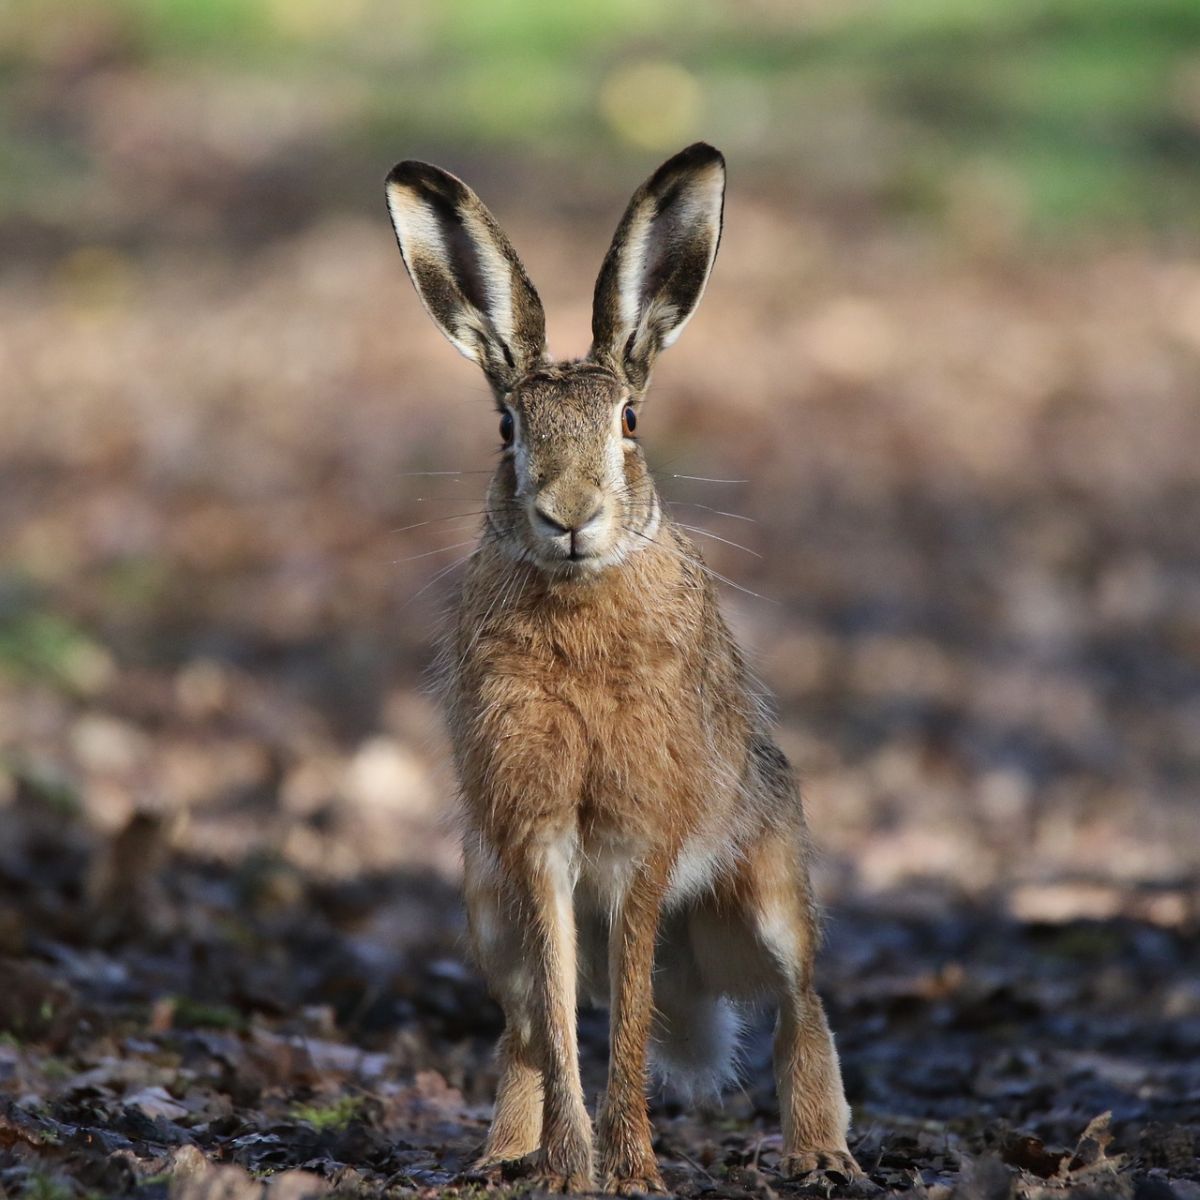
(157, 1102)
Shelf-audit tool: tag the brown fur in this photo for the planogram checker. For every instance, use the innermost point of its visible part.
(627, 822)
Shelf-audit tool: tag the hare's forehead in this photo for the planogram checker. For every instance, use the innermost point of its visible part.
(567, 407)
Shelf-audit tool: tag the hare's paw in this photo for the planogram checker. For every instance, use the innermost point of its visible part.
(560, 1181)
(627, 1163)
(808, 1162)
(493, 1159)
(641, 1184)
(506, 1146)
(629, 1169)
(565, 1166)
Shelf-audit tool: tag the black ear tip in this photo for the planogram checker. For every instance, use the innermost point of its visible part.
(704, 152)
(425, 177)
(408, 172)
(699, 154)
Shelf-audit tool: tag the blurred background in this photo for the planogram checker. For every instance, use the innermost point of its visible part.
(942, 391)
(950, 352)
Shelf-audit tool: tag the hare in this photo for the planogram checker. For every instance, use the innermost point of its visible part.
(629, 828)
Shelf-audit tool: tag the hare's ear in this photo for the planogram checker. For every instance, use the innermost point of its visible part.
(466, 272)
(659, 261)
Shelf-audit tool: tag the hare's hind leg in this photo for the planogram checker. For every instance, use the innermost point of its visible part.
(812, 1102)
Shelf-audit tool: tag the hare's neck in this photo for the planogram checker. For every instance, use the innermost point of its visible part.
(644, 582)
(514, 618)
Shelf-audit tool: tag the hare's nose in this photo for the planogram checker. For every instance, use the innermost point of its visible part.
(556, 522)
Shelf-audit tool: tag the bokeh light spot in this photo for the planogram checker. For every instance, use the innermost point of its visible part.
(652, 104)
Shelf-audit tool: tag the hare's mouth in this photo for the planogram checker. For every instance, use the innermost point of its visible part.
(578, 542)
(559, 557)
(572, 557)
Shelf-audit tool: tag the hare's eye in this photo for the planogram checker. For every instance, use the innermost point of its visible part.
(506, 427)
(628, 420)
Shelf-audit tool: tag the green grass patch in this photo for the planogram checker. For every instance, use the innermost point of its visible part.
(197, 1014)
(1089, 110)
(39, 645)
(333, 1115)
(43, 1185)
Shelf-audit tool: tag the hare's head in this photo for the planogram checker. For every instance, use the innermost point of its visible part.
(572, 491)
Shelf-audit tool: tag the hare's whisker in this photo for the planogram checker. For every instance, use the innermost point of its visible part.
(413, 474)
(435, 521)
(506, 592)
(487, 616)
(719, 512)
(698, 564)
(738, 586)
(481, 500)
(440, 550)
(672, 550)
(439, 576)
(708, 479)
(457, 498)
(717, 537)
(483, 512)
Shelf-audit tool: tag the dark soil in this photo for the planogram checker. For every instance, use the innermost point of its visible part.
(206, 1033)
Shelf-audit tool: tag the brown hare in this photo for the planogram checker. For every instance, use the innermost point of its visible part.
(629, 827)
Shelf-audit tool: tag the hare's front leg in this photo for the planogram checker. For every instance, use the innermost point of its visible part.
(516, 1128)
(522, 924)
(626, 1155)
(544, 908)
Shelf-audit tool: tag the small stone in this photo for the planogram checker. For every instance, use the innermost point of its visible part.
(296, 1185)
(217, 1183)
(188, 1162)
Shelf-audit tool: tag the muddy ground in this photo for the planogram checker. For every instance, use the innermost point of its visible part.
(212, 1032)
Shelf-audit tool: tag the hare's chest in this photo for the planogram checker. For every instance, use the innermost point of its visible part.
(640, 713)
(617, 725)
(648, 755)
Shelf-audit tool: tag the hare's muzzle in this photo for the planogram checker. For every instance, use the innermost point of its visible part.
(573, 528)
